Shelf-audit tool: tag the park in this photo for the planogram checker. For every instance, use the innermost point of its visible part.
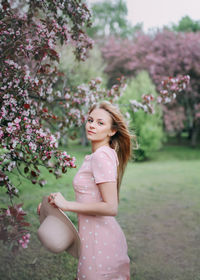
(58, 58)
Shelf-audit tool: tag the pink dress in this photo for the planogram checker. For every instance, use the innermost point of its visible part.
(103, 244)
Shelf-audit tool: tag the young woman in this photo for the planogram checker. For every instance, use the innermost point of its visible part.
(103, 244)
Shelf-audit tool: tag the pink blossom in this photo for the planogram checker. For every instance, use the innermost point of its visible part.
(8, 212)
(17, 120)
(1, 133)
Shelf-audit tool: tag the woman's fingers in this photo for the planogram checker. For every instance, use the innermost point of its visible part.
(57, 200)
(51, 199)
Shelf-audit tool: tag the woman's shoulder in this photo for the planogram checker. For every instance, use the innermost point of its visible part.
(105, 152)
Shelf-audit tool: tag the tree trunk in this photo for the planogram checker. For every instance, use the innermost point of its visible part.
(194, 135)
(179, 140)
(84, 140)
(63, 141)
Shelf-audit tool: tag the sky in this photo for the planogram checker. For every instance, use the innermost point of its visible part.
(156, 13)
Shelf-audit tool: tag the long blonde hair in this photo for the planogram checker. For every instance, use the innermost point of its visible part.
(121, 140)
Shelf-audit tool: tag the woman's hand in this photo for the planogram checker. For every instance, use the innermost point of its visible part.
(38, 208)
(58, 200)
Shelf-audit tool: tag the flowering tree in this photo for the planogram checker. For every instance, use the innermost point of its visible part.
(165, 54)
(31, 106)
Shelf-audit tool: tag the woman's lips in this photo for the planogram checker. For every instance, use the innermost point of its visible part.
(89, 131)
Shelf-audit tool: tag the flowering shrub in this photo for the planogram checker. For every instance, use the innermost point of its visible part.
(169, 89)
(12, 225)
(144, 111)
(173, 114)
(174, 118)
(144, 115)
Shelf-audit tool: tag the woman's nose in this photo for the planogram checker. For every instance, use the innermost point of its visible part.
(92, 125)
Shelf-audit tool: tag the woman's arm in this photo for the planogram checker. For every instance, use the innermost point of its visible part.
(107, 207)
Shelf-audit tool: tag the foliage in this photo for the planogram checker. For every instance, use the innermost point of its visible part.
(27, 86)
(81, 72)
(77, 73)
(174, 118)
(12, 225)
(148, 127)
(109, 18)
(186, 24)
(165, 54)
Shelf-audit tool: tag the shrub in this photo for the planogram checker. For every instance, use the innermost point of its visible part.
(148, 128)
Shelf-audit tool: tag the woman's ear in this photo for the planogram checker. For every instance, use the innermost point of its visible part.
(112, 132)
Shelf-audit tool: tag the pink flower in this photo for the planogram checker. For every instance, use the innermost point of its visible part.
(24, 245)
(28, 235)
(17, 120)
(8, 212)
(1, 133)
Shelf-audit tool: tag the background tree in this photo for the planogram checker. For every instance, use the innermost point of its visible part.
(110, 18)
(186, 24)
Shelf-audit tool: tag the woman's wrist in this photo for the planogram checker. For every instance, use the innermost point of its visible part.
(66, 206)
(72, 206)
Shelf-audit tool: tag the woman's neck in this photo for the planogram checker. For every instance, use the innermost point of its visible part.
(96, 145)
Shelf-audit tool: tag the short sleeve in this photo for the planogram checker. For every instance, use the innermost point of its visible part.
(104, 166)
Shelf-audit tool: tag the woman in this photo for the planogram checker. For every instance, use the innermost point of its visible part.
(97, 183)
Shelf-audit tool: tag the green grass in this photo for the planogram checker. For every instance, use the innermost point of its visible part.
(159, 212)
(161, 201)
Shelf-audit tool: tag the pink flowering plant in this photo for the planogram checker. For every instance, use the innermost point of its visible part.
(33, 112)
(27, 81)
(169, 89)
(13, 227)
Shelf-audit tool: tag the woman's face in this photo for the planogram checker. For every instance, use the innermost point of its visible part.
(98, 126)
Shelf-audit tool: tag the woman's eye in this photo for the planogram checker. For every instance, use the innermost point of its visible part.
(89, 120)
(101, 123)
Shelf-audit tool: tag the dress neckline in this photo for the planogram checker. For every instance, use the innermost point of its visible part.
(90, 155)
(100, 148)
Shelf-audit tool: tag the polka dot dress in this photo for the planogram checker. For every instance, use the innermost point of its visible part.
(103, 244)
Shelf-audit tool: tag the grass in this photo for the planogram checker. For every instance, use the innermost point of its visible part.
(161, 199)
(159, 212)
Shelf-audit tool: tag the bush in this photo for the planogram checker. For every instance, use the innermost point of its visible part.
(148, 128)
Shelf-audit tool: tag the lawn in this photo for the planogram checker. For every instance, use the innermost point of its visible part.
(159, 212)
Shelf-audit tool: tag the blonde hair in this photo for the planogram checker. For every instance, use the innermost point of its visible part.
(121, 140)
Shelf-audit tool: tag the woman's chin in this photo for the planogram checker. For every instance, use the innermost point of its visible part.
(90, 137)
